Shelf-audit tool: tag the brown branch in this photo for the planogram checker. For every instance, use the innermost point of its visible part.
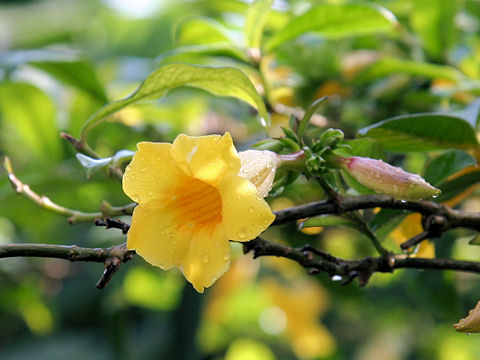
(314, 259)
(110, 223)
(438, 218)
(112, 257)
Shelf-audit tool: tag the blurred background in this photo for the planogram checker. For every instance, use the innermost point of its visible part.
(61, 60)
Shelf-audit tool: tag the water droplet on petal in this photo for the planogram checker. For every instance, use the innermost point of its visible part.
(145, 169)
(205, 258)
(238, 196)
(251, 210)
(226, 256)
(243, 233)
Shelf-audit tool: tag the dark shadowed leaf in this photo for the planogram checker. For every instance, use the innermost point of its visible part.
(423, 132)
(447, 164)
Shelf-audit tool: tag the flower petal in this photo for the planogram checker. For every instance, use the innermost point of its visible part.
(155, 236)
(259, 167)
(245, 213)
(207, 258)
(151, 172)
(206, 158)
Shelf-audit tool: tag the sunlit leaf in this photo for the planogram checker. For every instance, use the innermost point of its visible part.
(28, 123)
(200, 30)
(434, 22)
(221, 81)
(216, 49)
(447, 164)
(336, 20)
(255, 21)
(391, 65)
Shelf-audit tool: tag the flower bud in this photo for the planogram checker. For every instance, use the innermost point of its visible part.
(259, 167)
(470, 324)
(386, 179)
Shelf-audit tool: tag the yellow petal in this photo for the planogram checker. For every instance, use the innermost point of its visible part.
(207, 258)
(207, 158)
(151, 171)
(245, 213)
(470, 324)
(155, 237)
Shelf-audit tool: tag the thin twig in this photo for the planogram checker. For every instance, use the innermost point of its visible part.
(74, 216)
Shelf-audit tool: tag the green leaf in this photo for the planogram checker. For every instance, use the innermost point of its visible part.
(434, 22)
(328, 220)
(220, 49)
(454, 187)
(290, 134)
(255, 21)
(28, 123)
(312, 109)
(66, 66)
(447, 164)
(423, 132)
(200, 30)
(221, 81)
(475, 240)
(365, 147)
(390, 65)
(336, 21)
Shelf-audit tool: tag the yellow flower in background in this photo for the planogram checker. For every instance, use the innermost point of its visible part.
(191, 202)
(409, 227)
(301, 304)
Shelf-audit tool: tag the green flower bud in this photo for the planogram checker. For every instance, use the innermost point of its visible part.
(386, 179)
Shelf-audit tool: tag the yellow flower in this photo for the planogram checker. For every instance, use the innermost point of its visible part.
(191, 202)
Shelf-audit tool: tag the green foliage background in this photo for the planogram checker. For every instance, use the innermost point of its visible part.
(61, 61)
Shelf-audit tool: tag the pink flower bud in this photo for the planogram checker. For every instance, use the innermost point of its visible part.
(387, 179)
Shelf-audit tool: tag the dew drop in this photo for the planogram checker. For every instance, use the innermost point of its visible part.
(251, 210)
(243, 233)
(145, 169)
(226, 256)
(238, 196)
(337, 278)
(205, 258)
(162, 232)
